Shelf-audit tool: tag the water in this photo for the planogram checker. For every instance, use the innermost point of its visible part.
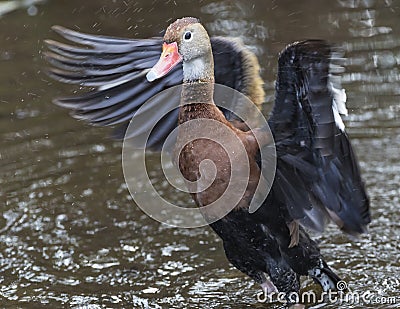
(70, 235)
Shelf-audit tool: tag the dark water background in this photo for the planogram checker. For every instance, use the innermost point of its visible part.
(70, 235)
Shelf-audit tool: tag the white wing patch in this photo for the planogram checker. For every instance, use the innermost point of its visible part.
(122, 80)
(339, 106)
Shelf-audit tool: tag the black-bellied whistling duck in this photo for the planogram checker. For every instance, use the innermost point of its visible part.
(317, 173)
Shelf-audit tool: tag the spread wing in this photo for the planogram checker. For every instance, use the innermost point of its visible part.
(115, 69)
(317, 173)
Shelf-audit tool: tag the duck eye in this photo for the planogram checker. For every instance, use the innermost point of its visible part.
(187, 36)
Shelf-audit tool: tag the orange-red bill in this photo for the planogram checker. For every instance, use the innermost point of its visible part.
(170, 57)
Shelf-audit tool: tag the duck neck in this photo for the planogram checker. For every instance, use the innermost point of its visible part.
(197, 89)
(197, 92)
(196, 101)
(198, 80)
(199, 69)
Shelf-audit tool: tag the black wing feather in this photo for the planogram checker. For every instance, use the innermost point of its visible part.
(316, 168)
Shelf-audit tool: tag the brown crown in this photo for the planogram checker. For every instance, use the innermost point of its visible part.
(173, 31)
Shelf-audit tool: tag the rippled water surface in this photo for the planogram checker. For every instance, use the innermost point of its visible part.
(70, 234)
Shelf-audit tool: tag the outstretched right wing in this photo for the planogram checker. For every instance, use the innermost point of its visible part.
(115, 69)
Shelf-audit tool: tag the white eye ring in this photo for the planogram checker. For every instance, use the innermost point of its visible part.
(187, 36)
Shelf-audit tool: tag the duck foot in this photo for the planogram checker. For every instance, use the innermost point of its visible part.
(269, 288)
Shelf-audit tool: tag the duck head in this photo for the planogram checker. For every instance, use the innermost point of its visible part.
(185, 41)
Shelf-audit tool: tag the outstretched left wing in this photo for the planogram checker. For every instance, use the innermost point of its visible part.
(317, 173)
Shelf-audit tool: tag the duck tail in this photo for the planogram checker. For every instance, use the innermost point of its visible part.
(325, 276)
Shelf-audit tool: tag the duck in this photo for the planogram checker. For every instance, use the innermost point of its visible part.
(317, 176)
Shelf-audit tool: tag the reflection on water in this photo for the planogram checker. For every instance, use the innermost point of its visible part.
(7, 7)
(226, 19)
(69, 233)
